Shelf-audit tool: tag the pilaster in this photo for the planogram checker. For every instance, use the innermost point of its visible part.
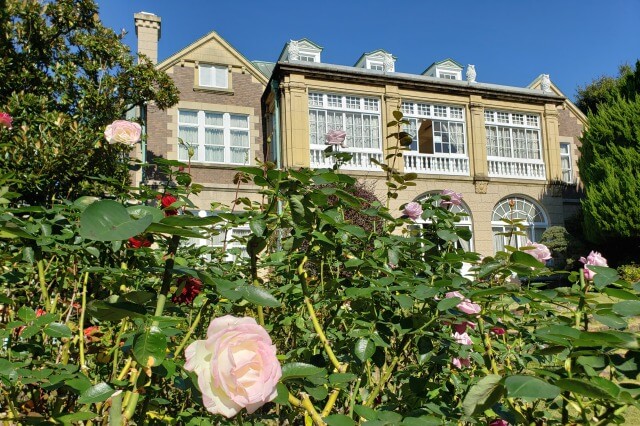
(295, 116)
(477, 140)
(390, 103)
(551, 147)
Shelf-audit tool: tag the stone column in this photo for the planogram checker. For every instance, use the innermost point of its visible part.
(478, 144)
(295, 122)
(551, 147)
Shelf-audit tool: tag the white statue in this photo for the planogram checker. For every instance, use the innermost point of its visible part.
(471, 73)
(388, 63)
(294, 51)
(545, 84)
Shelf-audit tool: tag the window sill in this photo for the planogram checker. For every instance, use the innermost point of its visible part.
(216, 90)
(229, 166)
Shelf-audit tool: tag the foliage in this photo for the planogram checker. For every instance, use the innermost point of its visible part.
(64, 78)
(565, 248)
(630, 272)
(605, 89)
(90, 331)
(609, 167)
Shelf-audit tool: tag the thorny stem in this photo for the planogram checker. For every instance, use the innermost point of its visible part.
(194, 324)
(386, 375)
(81, 324)
(43, 285)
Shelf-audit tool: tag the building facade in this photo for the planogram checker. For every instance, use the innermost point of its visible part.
(510, 151)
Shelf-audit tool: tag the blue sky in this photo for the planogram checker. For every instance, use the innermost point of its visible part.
(510, 41)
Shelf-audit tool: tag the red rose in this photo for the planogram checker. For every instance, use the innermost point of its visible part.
(498, 331)
(138, 242)
(166, 200)
(188, 289)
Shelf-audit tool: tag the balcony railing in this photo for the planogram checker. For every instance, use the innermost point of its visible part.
(516, 168)
(436, 164)
(361, 159)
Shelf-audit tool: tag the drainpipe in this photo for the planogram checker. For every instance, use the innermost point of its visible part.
(143, 141)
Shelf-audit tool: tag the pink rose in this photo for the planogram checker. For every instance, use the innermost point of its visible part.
(539, 251)
(336, 137)
(462, 338)
(413, 210)
(5, 120)
(594, 259)
(123, 131)
(460, 362)
(455, 198)
(465, 305)
(498, 331)
(499, 422)
(236, 366)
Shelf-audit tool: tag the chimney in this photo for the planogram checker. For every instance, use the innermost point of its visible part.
(148, 32)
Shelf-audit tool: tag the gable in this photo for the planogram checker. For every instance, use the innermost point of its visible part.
(213, 49)
(536, 84)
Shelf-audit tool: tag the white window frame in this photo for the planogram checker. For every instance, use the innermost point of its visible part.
(506, 126)
(444, 115)
(218, 75)
(533, 217)
(448, 74)
(340, 107)
(372, 64)
(200, 149)
(565, 154)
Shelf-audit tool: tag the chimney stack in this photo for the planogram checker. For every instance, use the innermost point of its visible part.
(148, 26)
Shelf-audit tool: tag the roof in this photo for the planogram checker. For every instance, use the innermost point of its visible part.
(417, 82)
(264, 67)
(373, 52)
(173, 59)
(535, 84)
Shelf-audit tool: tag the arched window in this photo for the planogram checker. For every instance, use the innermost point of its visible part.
(465, 220)
(532, 218)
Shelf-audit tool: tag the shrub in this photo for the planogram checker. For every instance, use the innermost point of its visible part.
(565, 249)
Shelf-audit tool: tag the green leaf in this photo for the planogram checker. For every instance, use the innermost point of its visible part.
(57, 330)
(26, 314)
(75, 418)
(364, 349)
(298, 370)
(366, 412)
(96, 393)
(522, 258)
(447, 235)
(483, 395)
(259, 296)
(107, 311)
(339, 420)
(600, 389)
(627, 308)
(108, 220)
(397, 115)
(448, 303)
(283, 395)
(529, 388)
(161, 228)
(149, 347)
(83, 202)
(604, 276)
(142, 210)
(258, 226)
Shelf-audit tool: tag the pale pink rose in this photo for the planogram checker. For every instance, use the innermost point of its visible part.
(236, 366)
(455, 198)
(5, 120)
(123, 131)
(460, 362)
(462, 338)
(465, 305)
(413, 210)
(336, 137)
(539, 251)
(594, 259)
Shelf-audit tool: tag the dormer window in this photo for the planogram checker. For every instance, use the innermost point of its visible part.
(378, 60)
(447, 70)
(213, 76)
(301, 50)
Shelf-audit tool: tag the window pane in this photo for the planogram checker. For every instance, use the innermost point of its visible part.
(241, 121)
(213, 119)
(239, 155)
(214, 137)
(206, 75)
(221, 77)
(188, 117)
(239, 138)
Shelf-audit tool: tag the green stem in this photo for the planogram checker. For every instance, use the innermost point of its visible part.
(166, 279)
(43, 285)
(81, 323)
(115, 412)
(194, 324)
(387, 374)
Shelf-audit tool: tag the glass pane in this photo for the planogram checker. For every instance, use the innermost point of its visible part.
(206, 75)
(188, 117)
(221, 77)
(213, 119)
(239, 155)
(239, 138)
(214, 137)
(214, 153)
(241, 121)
